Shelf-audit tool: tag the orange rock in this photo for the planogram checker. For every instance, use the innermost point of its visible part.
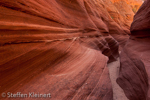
(135, 4)
(60, 47)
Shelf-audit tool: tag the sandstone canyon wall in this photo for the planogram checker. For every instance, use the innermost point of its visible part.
(135, 57)
(63, 47)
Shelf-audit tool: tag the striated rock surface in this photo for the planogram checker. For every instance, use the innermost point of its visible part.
(135, 64)
(62, 47)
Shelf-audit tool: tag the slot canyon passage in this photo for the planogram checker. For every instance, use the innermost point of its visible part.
(74, 49)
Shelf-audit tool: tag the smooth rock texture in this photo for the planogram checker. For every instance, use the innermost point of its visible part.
(62, 47)
(134, 75)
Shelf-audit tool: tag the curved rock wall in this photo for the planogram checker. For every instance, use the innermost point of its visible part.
(135, 64)
(61, 47)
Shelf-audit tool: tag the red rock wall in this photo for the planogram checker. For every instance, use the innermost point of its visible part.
(60, 47)
(135, 65)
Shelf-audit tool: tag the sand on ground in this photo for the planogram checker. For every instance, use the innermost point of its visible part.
(118, 93)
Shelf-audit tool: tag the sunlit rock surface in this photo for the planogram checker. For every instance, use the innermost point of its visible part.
(135, 4)
(61, 47)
